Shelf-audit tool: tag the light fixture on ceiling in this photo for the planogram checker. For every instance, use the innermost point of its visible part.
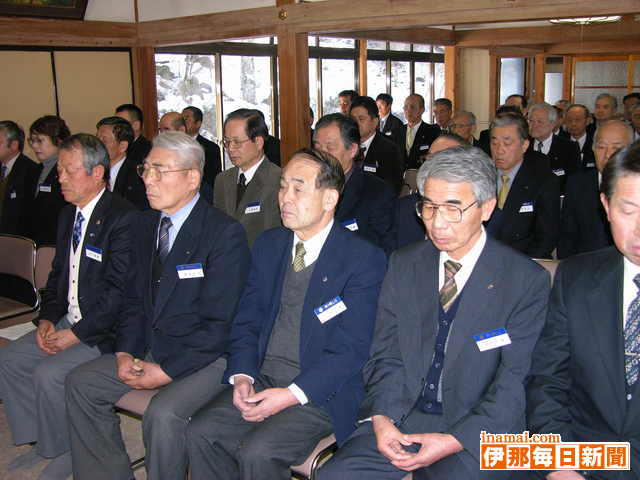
(585, 20)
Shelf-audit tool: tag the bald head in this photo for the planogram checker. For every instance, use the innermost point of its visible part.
(443, 142)
(172, 122)
(610, 137)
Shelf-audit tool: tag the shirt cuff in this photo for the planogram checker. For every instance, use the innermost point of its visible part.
(232, 377)
(298, 393)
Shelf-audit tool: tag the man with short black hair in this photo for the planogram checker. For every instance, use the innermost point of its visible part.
(518, 101)
(417, 134)
(345, 97)
(390, 125)
(140, 147)
(630, 101)
(577, 119)
(442, 112)
(212, 163)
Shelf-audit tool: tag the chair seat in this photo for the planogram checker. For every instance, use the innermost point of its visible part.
(136, 401)
(11, 308)
(306, 467)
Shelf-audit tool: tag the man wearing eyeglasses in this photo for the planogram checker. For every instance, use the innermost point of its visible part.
(189, 266)
(458, 317)
(248, 192)
(463, 123)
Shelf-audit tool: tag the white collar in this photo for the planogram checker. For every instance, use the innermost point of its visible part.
(468, 262)
(248, 175)
(312, 246)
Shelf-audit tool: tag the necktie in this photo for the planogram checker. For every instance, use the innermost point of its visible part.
(382, 122)
(3, 172)
(298, 259)
(632, 338)
(539, 149)
(449, 289)
(504, 191)
(163, 238)
(409, 138)
(240, 188)
(77, 231)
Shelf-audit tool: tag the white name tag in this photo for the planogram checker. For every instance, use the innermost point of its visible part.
(559, 172)
(424, 147)
(493, 339)
(193, 270)
(351, 225)
(13, 195)
(45, 188)
(333, 307)
(526, 207)
(253, 207)
(370, 168)
(94, 253)
(591, 164)
(388, 133)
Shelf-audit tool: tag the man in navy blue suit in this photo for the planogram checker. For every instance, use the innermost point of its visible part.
(190, 263)
(299, 340)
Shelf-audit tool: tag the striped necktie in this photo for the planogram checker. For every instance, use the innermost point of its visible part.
(449, 289)
(298, 259)
(632, 338)
(77, 231)
(163, 238)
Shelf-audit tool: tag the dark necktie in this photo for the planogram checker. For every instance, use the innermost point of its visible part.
(240, 188)
(163, 238)
(632, 338)
(77, 231)
(3, 172)
(539, 149)
(449, 289)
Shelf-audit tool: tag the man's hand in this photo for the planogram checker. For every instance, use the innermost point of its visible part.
(242, 389)
(125, 364)
(149, 376)
(565, 475)
(268, 403)
(434, 447)
(389, 439)
(45, 328)
(60, 340)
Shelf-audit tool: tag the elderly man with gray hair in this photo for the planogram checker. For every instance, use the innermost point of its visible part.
(458, 318)
(189, 266)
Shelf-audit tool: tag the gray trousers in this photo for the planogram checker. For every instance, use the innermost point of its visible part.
(222, 445)
(33, 391)
(96, 441)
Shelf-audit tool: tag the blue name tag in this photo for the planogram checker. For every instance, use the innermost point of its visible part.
(192, 270)
(327, 311)
(492, 339)
(94, 253)
(350, 224)
(253, 207)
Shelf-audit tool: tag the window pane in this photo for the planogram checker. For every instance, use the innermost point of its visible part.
(552, 87)
(596, 73)
(438, 49)
(337, 42)
(421, 48)
(263, 40)
(511, 77)
(312, 41)
(337, 75)
(438, 80)
(587, 96)
(376, 77)
(313, 88)
(399, 46)
(246, 83)
(376, 45)
(184, 80)
(400, 86)
(422, 73)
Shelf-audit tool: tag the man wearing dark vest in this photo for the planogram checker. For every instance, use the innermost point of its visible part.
(458, 317)
(300, 337)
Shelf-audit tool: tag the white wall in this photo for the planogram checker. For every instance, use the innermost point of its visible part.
(160, 9)
(110, 11)
(474, 84)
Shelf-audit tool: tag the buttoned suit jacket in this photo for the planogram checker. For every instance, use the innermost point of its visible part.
(564, 157)
(393, 131)
(422, 141)
(577, 382)
(480, 390)
(130, 186)
(387, 159)
(331, 353)
(262, 188)
(212, 164)
(18, 196)
(188, 325)
(46, 211)
(101, 283)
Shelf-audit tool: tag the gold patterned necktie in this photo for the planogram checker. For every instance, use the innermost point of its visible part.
(504, 191)
(298, 259)
(409, 138)
(449, 289)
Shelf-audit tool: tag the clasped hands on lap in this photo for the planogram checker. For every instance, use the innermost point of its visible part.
(139, 374)
(256, 407)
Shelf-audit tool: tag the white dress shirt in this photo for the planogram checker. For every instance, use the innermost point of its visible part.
(248, 175)
(113, 173)
(629, 288)
(468, 263)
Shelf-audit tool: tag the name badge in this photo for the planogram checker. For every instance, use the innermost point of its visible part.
(45, 188)
(424, 147)
(94, 253)
(526, 207)
(253, 207)
(13, 195)
(493, 339)
(351, 225)
(387, 133)
(193, 270)
(559, 172)
(590, 165)
(333, 307)
(370, 168)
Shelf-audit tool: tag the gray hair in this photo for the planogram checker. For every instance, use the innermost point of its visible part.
(552, 113)
(190, 152)
(625, 125)
(468, 114)
(464, 164)
(614, 100)
(94, 153)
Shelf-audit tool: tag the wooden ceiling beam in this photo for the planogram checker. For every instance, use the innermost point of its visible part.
(528, 51)
(612, 47)
(436, 36)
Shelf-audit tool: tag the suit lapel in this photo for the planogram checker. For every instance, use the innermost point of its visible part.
(92, 233)
(425, 309)
(149, 246)
(519, 189)
(254, 187)
(351, 194)
(230, 187)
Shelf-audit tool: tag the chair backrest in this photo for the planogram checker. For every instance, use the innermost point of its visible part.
(18, 257)
(44, 258)
(410, 185)
(550, 265)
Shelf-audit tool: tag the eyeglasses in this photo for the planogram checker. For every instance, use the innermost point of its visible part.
(234, 142)
(145, 171)
(461, 125)
(450, 213)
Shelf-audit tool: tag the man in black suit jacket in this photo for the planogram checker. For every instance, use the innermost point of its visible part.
(381, 156)
(80, 305)
(576, 121)
(431, 386)
(367, 203)
(583, 380)
(584, 225)
(117, 134)
(417, 134)
(140, 147)
(390, 125)
(190, 263)
(193, 117)
(527, 216)
(18, 179)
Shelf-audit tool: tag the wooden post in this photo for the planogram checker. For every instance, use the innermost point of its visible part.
(494, 83)
(539, 78)
(144, 87)
(567, 78)
(362, 66)
(451, 83)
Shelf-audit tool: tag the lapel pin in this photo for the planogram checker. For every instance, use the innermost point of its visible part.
(98, 222)
(324, 279)
(490, 286)
(188, 252)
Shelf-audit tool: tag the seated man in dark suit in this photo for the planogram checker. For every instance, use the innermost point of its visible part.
(583, 379)
(193, 117)
(390, 125)
(576, 121)
(417, 134)
(527, 216)
(140, 147)
(563, 154)
(300, 337)
(381, 156)
(80, 307)
(18, 179)
(189, 266)
(463, 123)
(117, 134)
(431, 389)
(367, 203)
(484, 139)
(442, 113)
(584, 225)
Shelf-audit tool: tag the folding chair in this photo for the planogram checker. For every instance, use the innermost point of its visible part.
(410, 184)
(550, 265)
(307, 470)
(17, 266)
